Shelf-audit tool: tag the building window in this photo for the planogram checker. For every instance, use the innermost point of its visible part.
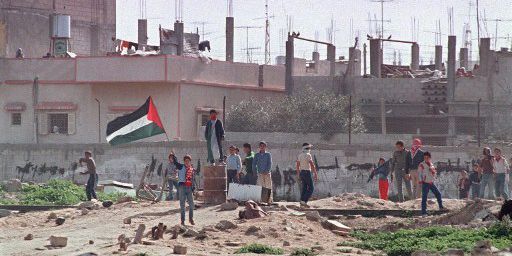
(58, 123)
(15, 118)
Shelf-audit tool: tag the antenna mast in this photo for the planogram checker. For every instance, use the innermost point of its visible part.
(267, 35)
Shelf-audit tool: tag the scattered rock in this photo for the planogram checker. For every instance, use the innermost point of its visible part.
(483, 244)
(52, 216)
(180, 249)
(124, 199)
(337, 199)
(91, 242)
(283, 208)
(229, 206)
(4, 213)
(90, 205)
(59, 221)
(13, 185)
(313, 216)
(274, 234)
(454, 252)
(139, 233)
(423, 253)
(261, 236)
(148, 242)
(202, 235)
(252, 230)
(225, 225)
(234, 244)
(310, 230)
(23, 225)
(340, 233)
(317, 248)
(365, 203)
(353, 217)
(190, 233)
(335, 225)
(107, 204)
(58, 241)
(85, 211)
(286, 243)
(127, 220)
(29, 237)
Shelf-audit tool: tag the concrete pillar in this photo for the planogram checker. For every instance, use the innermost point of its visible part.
(289, 66)
(331, 56)
(375, 59)
(415, 57)
(452, 53)
(354, 60)
(484, 51)
(464, 58)
(439, 57)
(95, 40)
(142, 35)
(230, 35)
(383, 116)
(315, 56)
(178, 29)
(364, 59)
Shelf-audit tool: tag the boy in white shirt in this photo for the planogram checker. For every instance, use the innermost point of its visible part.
(305, 169)
(501, 169)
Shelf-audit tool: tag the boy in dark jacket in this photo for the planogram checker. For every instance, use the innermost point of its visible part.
(475, 177)
(464, 185)
(382, 172)
(214, 135)
(414, 158)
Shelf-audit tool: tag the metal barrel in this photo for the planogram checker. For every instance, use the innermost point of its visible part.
(215, 184)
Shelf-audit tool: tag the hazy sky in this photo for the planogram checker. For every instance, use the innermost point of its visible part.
(314, 16)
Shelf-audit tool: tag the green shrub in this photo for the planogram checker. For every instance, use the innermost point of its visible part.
(303, 252)
(437, 239)
(260, 249)
(110, 197)
(55, 192)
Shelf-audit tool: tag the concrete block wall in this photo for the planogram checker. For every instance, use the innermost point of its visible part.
(126, 163)
(390, 89)
(471, 89)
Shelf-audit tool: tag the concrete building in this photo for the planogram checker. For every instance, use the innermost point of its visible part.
(72, 100)
(25, 24)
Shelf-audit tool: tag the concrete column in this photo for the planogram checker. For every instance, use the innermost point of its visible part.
(364, 59)
(289, 66)
(464, 58)
(484, 51)
(383, 116)
(452, 53)
(415, 57)
(315, 56)
(178, 29)
(375, 59)
(439, 57)
(230, 35)
(142, 35)
(331, 56)
(95, 40)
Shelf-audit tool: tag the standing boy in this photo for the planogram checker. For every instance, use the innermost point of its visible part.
(250, 173)
(475, 177)
(399, 170)
(487, 167)
(464, 185)
(382, 172)
(214, 134)
(414, 158)
(233, 166)
(171, 172)
(186, 186)
(262, 163)
(501, 169)
(427, 175)
(305, 166)
(93, 176)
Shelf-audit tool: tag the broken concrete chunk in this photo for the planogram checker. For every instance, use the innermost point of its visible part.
(85, 211)
(286, 243)
(229, 206)
(180, 249)
(58, 241)
(52, 216)
(29, 237)
(225, 225)
(335, 225)
(59, 221)
(313, 216)
(107, 204)
(139, 233)
(454, 252)
(13, 185)
(124, 199)
(252, 230)
(4, 213)
(127, 220)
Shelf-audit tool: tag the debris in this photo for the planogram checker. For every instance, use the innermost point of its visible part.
(313, 216)
(107, 204)
(234, 244)
(286, 243)
(454, 252)
(52, 216)
(340, 233)
(482, 248)
(59, 221)
(58, 241)
(180, 249)
(353, 217)
(229, 206)
(190, 233)
(225, 225)
(201, 235)
(157, 232)
(334, 225)
(13, 185)
(4, 213)
(29, 237)
(148, 242)
(252, 230)
(139, 233)
(85, 211)
(318, 248)
(252, 211)
(127, 220)
(124, 199)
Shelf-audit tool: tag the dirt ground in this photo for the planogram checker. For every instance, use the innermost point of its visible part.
(103, 227)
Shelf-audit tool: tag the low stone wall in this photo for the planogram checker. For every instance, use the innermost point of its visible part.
(342, 168)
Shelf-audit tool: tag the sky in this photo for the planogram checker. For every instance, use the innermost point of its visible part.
(313, 19)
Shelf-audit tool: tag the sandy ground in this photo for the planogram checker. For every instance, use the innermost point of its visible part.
(103, 226)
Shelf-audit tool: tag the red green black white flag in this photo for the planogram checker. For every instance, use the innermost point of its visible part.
(142, 123)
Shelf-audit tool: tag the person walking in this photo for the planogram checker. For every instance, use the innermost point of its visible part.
(186, 186)
(171, 172)
(414, 158)
(306, 172)
(262, 163)
(475, 177)
(233, 166)
(214, 135)
(382, 172)
(501, 170)
(427, 176)
(487, 167)
(250, 174)
(93, 176)
(399, 171)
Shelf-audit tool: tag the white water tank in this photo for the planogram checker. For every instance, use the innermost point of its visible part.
(60, 26)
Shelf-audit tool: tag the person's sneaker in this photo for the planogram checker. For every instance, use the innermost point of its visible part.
(442, 208)
(183, 223)
(192, 222)
(424, 215)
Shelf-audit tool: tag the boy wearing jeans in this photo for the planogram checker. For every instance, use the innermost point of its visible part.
(233, 166)
(501, 169)
(186, 186)
(427, 175)
(305, 169)
(262, 163)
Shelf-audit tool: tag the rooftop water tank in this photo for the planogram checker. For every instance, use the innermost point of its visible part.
(60, 26)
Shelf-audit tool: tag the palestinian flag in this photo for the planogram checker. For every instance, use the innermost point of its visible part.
(142, 123)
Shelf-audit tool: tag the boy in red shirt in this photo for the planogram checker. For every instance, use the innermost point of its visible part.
(427, 175)
(186, 186)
